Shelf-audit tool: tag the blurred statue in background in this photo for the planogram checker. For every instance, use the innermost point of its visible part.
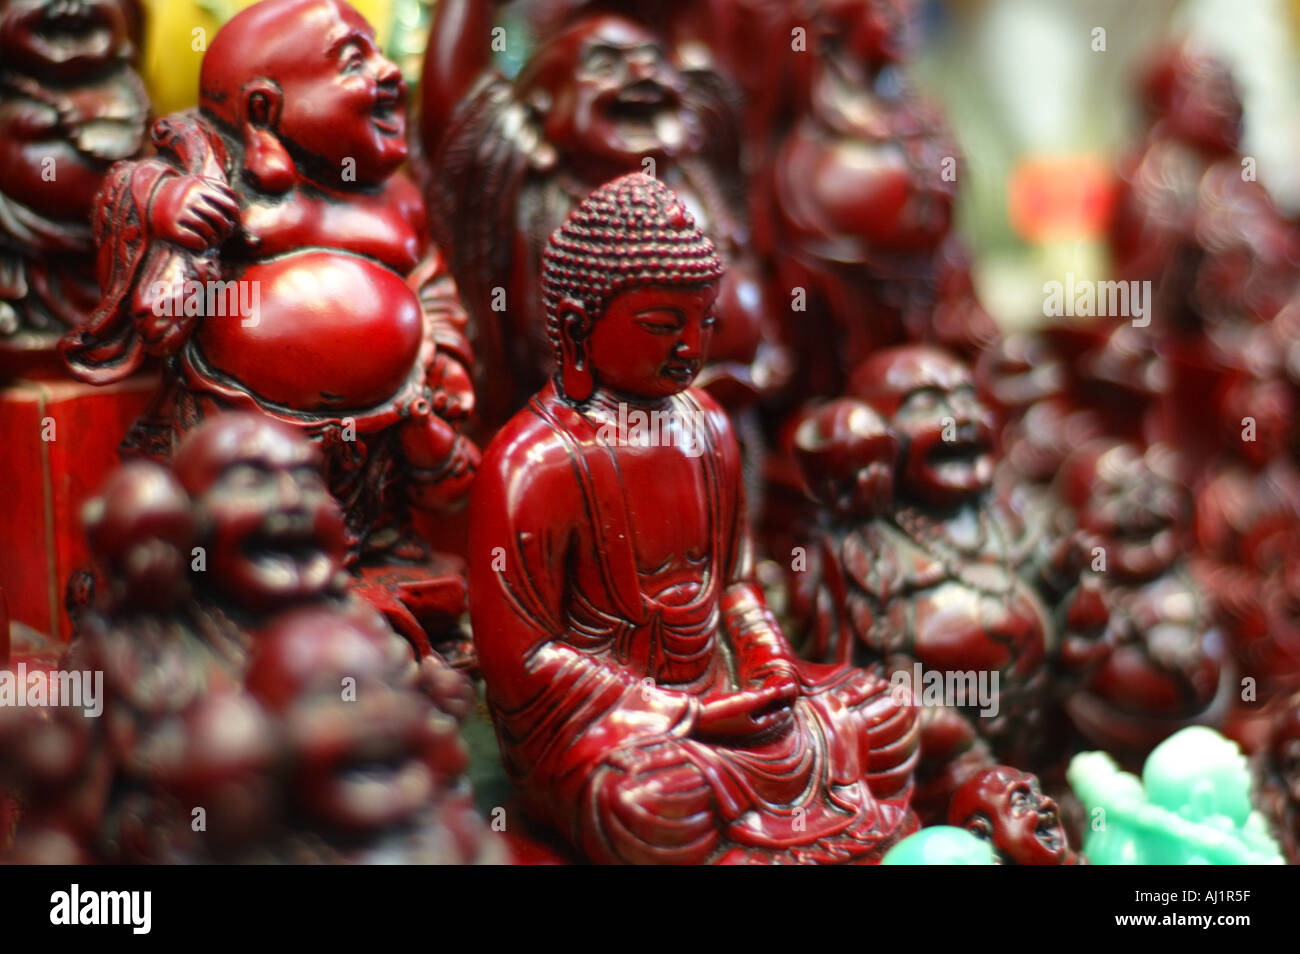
(919, 568)
(70, 106)
(254, 709)
(1247, 555)
(854, 196)
(1169, 667)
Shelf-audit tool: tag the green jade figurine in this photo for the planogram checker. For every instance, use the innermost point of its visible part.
(941, 845)
(1191, 806)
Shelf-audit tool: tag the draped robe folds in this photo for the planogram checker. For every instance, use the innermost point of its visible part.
(592, 678)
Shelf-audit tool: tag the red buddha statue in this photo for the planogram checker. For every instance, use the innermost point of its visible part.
(919, 566)
(1169, 667)
(70, 106)
(646, 702)
(855, 200)
(1194, 120)
(1007, 808)
(1191, 216)
(274, 255)
(241, 676)
(601, 96)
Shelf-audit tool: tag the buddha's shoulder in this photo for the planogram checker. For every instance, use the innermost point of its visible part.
(529, 444)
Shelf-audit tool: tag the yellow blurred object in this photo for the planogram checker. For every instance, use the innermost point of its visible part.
(176, 32)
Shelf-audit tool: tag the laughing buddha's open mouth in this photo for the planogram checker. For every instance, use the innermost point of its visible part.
(1048, 831)
(288, 550)
(387, 114)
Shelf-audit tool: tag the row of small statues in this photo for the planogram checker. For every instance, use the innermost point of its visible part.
(764, 360)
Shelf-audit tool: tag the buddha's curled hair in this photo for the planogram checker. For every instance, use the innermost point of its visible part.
(632, 231)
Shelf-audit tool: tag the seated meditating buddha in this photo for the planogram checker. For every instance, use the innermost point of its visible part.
(646, 702)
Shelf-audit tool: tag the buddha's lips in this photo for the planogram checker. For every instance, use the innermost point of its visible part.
(286, 532)
(964, 451)
(682, 372)
(1048, 830)
(387, 118)
(641, 100)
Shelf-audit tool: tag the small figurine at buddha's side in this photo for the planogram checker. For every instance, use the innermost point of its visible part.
(646, 702)
(276, 257)
(849, 457)
(1169, 667)
(1007, 808)
(601, 96)
(70, 106)
(929, 572)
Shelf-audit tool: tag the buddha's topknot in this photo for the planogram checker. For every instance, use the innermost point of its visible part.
(630, 232)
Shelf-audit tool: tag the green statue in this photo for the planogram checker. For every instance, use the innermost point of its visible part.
(1191, 806)
(941, 845)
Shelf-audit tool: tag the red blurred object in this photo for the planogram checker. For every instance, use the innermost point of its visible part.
(1060, 198)
(48, 481)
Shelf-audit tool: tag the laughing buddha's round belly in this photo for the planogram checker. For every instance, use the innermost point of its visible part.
(330, 330)
(961, 629)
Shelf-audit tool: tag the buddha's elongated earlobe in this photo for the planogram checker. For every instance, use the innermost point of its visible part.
(266, 162)
(576, 378)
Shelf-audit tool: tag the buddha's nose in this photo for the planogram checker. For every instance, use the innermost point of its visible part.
(289, 491)
(641, 66)
(690, 347)
(388, 73)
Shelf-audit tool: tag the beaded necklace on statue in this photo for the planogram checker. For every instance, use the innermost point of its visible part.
(959, 562)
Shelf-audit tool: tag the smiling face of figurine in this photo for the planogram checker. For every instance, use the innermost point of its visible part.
(946, 432)
(949, 443)
(1007, 808)
(308, 71)
(274, 534)
(63, 40)
(610, 96)
(365, 762)
(1198, 774)
(346, 100)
